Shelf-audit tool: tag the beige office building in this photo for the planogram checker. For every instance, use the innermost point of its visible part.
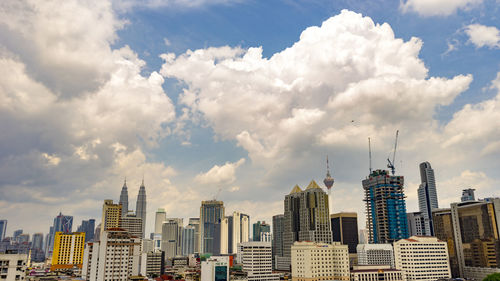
(313, 261)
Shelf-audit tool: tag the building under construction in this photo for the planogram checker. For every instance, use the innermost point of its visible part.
(385, 207)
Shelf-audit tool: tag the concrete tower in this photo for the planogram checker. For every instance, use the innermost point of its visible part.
(140, 208)
(427, 197)
(124, 199)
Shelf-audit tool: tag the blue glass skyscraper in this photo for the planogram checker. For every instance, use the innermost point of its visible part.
(385, 207)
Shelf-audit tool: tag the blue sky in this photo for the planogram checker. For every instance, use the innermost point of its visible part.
(243, 96)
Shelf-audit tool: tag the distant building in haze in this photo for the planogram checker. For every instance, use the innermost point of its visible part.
(87, 226)
(345, 229)
(258, 228)
(124, 199)
(195, 223)
(468, 195)
(385, 207)
(140, 209)
(3, 229)
(427, 197)
(62, 224)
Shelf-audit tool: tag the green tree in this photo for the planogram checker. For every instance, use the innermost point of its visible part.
(492, 277)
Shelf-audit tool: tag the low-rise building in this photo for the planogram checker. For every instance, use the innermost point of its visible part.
(153, 264)
(215, 269)
(423, 258)
(377, 273)
(313, 261)
(375, 254)
(13, 266)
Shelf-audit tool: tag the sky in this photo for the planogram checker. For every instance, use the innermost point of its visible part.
(240, 100)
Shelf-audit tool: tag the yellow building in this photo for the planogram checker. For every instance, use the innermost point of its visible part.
(111, 215)
(68, 250)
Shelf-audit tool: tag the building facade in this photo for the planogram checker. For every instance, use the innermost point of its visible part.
(3, 229)
(345, 229)
(111, 215)
(87, 226)
(471, 230)
(160, 217)
(153, 264)
(170, 238)
(13, 266)
(188, 240)
(468, 195)
(257, 262)
(416, 224)
(211, 215)
(133, 224)
(116, 257)
(68, 250)
(277, 244)
(195, 223)
(313, 261)
(427, 197)
(306, 218)
(258, 228)
(375, 254)
(63, 224)
(377, 273)
(423, 258)
(215, 269)
(385, 207)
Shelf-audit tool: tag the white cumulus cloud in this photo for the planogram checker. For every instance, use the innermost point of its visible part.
(437, 7)
(220, 175)
(483, 36)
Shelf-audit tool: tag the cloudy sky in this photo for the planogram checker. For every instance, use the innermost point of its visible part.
(242, 96)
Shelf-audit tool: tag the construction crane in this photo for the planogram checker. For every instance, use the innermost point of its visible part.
(390, 164)
(370, 154)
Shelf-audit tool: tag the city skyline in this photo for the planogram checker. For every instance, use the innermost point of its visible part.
(86, 103)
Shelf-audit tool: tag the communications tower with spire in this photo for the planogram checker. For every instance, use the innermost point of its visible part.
(328, 181)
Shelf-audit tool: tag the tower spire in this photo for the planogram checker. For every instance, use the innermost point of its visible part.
(328, 180)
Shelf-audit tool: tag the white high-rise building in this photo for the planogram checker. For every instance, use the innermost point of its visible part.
(160, 217)
(375, 254)
(427, 197)
(132, 224)
(224, 236)
(188, 240)
(313, 261)
(115, 257)
(422, 258)
(238, 231)
(257, 260)
(195, 222)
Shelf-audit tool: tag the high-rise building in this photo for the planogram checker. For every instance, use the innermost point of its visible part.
(427, 197)
(115, 257)
(319, 261)
(124, 199)
(111, 214)
(416, 224)
(257, 261)
(170, 238)
(468, 195)
(306, 218)
(132, 224)
(222, 231)
(375, 254)
(471, 230)
(258, 228)
(63, 224)
(37, 252)
(68, 250)
(17, 233)
(153, 263)
(385, 207)
(277, 243)
(87, 226)
(195, 222)
(23, 238)
(140, 208)
(188, 239)
(160, 217)
(345, 229)
(211, 214)
(377, 273)
(238, 226)
(3, 229)
(423, 258)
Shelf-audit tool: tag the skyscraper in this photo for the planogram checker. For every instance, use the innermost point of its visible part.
(195, 222)
(160, 217)
(132, 224)
(468, 195)
(188, 240)
(277, 243)
(87, 226)
(124, 199)
(37, 253)
(427, 196)
(258, 228)
(170, 238)
(140, 209)
(3, 229)
(111, 214)
(62, 224)
(306, 218)
(345, 229)
(385, 207)
(211, 214)
(238, 230)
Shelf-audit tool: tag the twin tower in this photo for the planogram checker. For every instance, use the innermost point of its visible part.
(140, 207)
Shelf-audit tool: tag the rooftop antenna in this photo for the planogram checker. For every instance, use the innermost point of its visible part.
(370, 154)
(390, 164)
